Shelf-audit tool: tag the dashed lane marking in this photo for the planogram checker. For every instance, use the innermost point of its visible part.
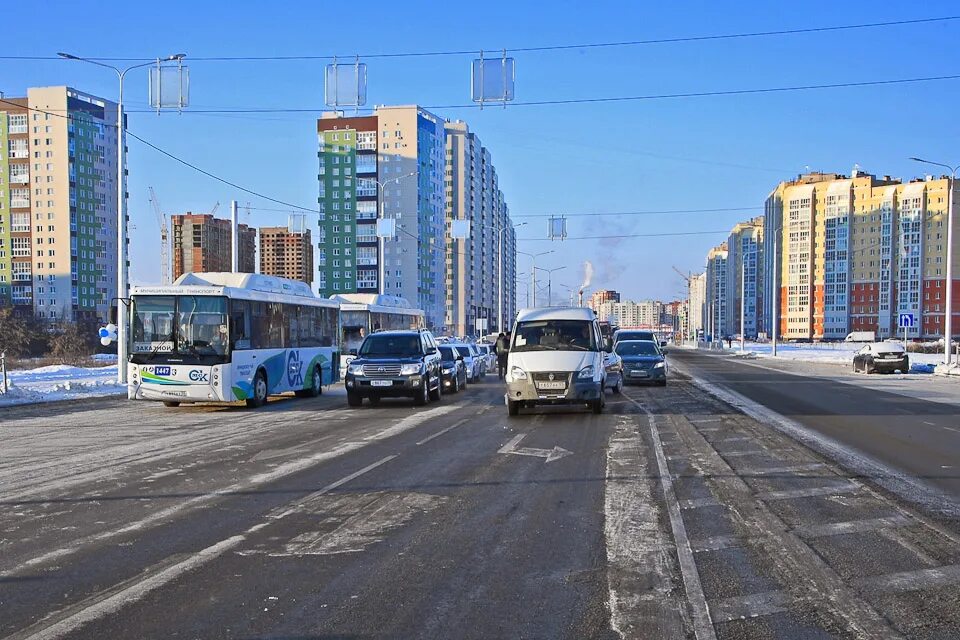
(716, 543)
(702, 623)
(750, 606)
(99, 606)
(443, 431)
(852, 526)
(912, 580)
(829, 490)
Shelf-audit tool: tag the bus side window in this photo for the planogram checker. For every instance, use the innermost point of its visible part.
(291, 314)
(260, 326)
(308, 327)
(240, 324)
(325, 326)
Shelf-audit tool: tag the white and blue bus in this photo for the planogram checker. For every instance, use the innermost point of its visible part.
(363, 313)
(224, 337)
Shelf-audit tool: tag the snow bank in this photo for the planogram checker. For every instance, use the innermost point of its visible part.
(830, 353)
(60, 382)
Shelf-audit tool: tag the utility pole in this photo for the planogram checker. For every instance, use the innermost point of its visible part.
(234, 238)
(122, 262)
(948, 311)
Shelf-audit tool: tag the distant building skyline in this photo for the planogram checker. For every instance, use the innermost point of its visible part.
(202, 242)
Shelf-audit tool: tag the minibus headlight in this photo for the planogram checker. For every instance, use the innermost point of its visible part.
(586, 372)
(518, 374)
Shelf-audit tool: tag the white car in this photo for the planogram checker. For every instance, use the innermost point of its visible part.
(471, 359)
(490, 356)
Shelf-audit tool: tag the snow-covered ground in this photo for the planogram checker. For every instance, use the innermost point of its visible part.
(833, 353)
(61, 382)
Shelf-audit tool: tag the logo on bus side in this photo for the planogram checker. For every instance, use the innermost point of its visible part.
(196, 375)
(294, 370)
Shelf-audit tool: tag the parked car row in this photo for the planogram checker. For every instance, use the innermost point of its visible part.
(413, 364)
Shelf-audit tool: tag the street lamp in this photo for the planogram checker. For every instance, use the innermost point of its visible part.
(122, 267)
(948, 319)
(549, 282)
(533, 270)
(383, 238)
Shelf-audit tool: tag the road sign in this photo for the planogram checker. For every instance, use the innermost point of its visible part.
(907, 321)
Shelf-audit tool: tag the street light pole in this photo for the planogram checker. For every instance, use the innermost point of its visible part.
(500, 319)
(533, 270)
(550, 282)
(382, 238)
(122, 267)
(948, 312)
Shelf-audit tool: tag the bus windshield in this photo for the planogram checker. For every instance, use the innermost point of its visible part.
(182, 325)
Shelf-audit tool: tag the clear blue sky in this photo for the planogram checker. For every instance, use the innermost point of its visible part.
(696, 153)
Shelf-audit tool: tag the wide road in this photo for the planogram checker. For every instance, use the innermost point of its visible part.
(672, 515)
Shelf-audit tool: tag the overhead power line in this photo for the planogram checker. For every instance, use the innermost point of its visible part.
(608, 99)
(533, 49)
(631, 213)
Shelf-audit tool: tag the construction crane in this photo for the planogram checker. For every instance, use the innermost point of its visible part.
(215, 207)
(164, 239)
(686, 277)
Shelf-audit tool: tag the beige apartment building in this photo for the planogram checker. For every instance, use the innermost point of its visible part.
(287, 254)
(58, 205)
(855, 253)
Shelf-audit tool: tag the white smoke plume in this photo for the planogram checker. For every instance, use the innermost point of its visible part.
(587, 275)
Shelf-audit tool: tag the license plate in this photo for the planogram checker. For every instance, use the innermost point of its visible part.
(381, 383)
(558, 384)
(638, 374)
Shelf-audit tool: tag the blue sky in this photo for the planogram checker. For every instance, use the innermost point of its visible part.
(696, 153)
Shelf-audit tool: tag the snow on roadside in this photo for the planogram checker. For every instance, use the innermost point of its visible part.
(827, 353)
(60, 382)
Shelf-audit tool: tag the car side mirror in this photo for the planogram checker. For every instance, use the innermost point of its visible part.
(663, 343)
(353, 352)
(608, 348)
(460, 358)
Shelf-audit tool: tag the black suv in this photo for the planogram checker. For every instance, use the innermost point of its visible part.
(395, 364)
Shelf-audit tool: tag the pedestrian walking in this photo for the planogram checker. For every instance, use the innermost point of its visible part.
(502, 348)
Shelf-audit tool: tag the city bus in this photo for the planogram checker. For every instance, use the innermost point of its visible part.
(363, 313)
(226, 337)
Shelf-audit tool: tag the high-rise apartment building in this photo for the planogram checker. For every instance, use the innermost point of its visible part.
(474, 274)
(743, 282)
(202, 243)
(286, 254)
(716, 293)
(600, 296)
(645, 314)
(389, 164)
(58, 204)
(697, 298)
(854, 252)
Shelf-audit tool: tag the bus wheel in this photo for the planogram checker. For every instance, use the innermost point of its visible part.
(315, 389)
(171, 403)
(259, 391)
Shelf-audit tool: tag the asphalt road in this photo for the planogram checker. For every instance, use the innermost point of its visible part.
(672, 515)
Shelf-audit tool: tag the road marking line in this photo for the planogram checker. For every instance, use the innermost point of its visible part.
(443, 431)
(734, 439)
(276, 514)
(281, 471)
(716, 543)
(793, 468)
(911, 489)
(700, 612)
(790, 494)
(852, 526)
(912, 580)
(750, 606)
(550, 454)
(136, 591)
(929, 423)
(698, 503)
(752, 452)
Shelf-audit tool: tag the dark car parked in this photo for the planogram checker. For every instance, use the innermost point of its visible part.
(454, 369)
(881, 357)
(643, 361)
(395, 364)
